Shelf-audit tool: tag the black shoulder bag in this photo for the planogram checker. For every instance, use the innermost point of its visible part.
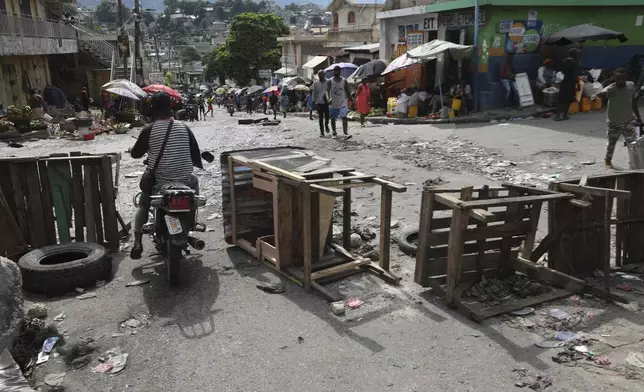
(149, 179)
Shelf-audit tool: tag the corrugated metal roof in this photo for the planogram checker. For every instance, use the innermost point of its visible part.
(371, 48)
(315, 61)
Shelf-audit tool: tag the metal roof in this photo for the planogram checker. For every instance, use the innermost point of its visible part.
(371, 48)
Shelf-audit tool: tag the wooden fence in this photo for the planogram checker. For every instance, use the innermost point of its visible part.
(57, 199)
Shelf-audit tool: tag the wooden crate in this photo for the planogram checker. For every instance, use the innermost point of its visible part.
(291, 193)
(58, 199)
(482, 232)
(581, 240)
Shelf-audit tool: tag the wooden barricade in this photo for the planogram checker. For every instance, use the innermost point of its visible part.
(58, 199)
(483, 232)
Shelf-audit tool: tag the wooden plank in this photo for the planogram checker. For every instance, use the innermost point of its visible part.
(421, 272)
(282, 201)
(339, 179)
(500, 216)
(19, 200)
(7, 187)
(96, 201)
(79, 200)
(455, 253)
(275, 170)
(318, 243)
(556, 278)
(108, 203)
(327, 190)
(390, 185)
(441, 236)
(534, 218)
(307, 236)
(338, 269)
(89, 203)
(520, 304)
(60, 185)
(346, 219)
(47, 206)
(621, 213)
(483, 194)
(331, 170)
(438, 265)
(608, 210)
(35, 205)
(527, 189)
(475, 247)
(385, 227)
(505, 201)
(231, 193)
(12, 244)
(297, 248)
(458, 190)
(448, 200)
(595, 191)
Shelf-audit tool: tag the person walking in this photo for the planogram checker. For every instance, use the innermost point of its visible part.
(568, 86)
(363, 100)
(321, 102)
(338, 89)
(284, 102)
(272, 100)
(309, 104)
(210, 108)
(622, 105)
(249, 104)
(265, 103)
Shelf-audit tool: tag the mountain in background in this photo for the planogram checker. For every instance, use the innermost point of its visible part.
(158, 4)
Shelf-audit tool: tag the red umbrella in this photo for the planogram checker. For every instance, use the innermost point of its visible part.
(154, 88)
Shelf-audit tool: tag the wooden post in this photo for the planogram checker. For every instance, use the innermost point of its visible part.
(231, 195)
(307, 235)
(424, 229)
(89, 202)
(282, 201)
(385, 227)
(346, 219)
(608, 210)
(534, 220)
(455, 253)
(504, 263)
(483, 194)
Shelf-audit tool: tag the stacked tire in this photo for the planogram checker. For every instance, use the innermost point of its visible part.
(57, 269)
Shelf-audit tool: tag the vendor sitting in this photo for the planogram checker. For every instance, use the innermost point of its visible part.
(463, 91)
(546, 75)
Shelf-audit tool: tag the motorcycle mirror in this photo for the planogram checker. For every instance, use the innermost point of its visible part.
(208, 157)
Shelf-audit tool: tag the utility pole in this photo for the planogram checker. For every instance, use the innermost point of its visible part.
(156, 48)
(477, 16)
(138, 63)
(118, 32)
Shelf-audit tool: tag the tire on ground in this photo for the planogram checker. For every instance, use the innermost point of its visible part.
(270, 123)
(245, 121)
(259, 120)
(62, 268)
(405, 241)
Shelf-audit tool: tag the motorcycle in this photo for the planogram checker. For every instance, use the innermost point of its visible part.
(192, 113)
(231, 109)
(174, 216)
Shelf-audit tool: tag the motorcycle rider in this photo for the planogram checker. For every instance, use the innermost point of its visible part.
(180, 155)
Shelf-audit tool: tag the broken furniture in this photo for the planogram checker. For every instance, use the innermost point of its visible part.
(278, 205)
(581, 240)
(466, 234)
(56, 199)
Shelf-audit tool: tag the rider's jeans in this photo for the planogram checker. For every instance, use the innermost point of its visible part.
(141, 217)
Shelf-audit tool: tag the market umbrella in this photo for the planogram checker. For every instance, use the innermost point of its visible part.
(254, 89)
(373, 68)
(272, 89)
(220, 91)
(123, 92)
(432, 49)
(346, 69)
(155, 88)
(401, 62)
(203, 87)
(583, 33)
(291, 81)
(127, 85)
(241, 91)
(301, 87)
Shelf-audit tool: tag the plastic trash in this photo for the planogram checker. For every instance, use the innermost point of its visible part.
(523, 312)
(558, 314)
(354, 303)
(49, 344)
(565, 336)
(549, 344)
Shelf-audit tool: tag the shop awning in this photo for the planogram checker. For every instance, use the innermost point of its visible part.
(286, 72)
(315, 61)
(401, 62)
(430, 50)
(368, 48)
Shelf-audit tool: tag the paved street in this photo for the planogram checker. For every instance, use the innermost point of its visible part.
(219, 333)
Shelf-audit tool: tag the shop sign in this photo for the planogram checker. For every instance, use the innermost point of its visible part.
(430, 23)
(505, 26)
(265, 74)
(460, 19)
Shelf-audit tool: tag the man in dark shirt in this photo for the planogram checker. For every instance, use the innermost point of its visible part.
(272, 100)
(508, 83)
(568, 86)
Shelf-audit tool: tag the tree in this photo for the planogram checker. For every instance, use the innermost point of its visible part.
(292, 7)
(104, 14)
(189, 54)
(252, 45)
(217, 64)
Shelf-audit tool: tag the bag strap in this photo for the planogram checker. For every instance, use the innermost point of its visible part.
(165, 142)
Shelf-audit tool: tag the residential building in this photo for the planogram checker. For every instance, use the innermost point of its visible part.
(505, 26)
(28, 40)
(354, 21)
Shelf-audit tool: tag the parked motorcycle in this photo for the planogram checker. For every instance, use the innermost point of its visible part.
(174, 218)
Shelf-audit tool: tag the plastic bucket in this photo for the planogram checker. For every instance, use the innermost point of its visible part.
(457, 103)
(412, 112)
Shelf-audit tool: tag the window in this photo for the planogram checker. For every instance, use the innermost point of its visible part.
(351, 18)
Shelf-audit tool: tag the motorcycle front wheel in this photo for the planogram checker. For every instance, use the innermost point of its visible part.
(172, 260)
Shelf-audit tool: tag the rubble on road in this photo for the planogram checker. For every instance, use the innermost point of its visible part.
(36, 310)
(273, 288)
(496, 291)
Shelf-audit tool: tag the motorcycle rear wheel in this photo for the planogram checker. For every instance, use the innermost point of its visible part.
(172, 260)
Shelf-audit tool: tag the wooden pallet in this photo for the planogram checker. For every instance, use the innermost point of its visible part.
(60, 198)
(295, 234)
(469, 233)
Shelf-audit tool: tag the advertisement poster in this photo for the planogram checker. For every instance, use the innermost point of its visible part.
(414, 38)
(532, 18)
(402, 34)
(523, 39)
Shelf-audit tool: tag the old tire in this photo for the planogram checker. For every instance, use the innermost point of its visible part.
(260, 120)
(270, 123)
(62, 268)
(407, 240)
(245, 121)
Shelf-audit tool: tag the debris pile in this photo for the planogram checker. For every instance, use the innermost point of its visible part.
(495, 291)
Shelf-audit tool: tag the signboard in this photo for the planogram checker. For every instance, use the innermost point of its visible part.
(265, 74)
(505, 25)
(523, 39)
(430, 23)
(401, 34)
(460, 19)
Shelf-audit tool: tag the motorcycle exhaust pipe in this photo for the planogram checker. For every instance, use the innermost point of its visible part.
(196, 243)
